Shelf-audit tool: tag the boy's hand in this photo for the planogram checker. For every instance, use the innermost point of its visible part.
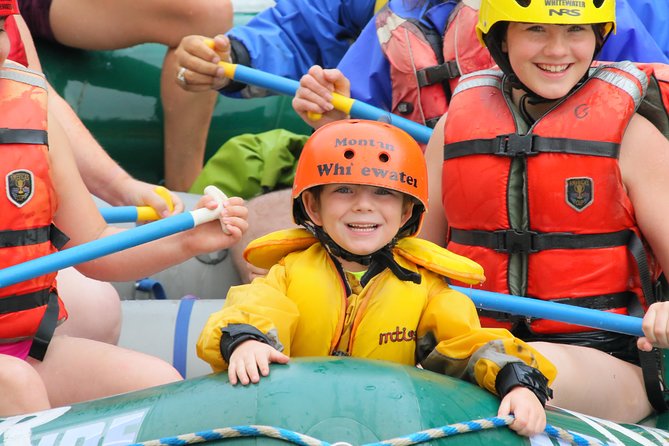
(527, 409)
(249, 358)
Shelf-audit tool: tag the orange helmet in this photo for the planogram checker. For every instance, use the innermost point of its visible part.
(363, 152)
(8, 7)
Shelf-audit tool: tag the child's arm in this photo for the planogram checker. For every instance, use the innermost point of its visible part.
(251, 357)
(492, 358)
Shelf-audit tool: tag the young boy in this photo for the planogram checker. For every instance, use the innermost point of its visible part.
(356, 283)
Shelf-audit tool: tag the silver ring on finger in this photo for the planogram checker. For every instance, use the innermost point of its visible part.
(181, 75)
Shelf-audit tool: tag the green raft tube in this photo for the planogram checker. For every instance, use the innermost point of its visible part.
(313, 402)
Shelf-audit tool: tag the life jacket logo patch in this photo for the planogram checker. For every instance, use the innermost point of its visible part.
(579, 192)
(20, 187)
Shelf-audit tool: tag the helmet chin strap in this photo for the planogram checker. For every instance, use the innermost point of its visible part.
(376, 261)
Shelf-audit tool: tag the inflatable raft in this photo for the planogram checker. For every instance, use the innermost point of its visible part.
(312, 402)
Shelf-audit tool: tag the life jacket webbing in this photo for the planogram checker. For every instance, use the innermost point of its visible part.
(46, 328)
(33, 236)
(22, 302)
(10, 239)
(529, 144)
(530, 241)
(23, 136)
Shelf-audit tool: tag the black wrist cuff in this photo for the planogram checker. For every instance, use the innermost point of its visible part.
(239, 55)
(235, 334)
(520, 374)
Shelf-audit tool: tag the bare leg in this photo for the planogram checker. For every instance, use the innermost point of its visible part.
(94, 307)
(113, 24)
(109, 25)
(187, 116)
(76, 369)
(21, 388)
(267, 213)
(595, 383)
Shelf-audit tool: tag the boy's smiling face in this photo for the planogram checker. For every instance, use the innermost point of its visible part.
(360, 219)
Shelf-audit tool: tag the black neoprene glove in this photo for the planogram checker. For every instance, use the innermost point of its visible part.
(520, 374)
(235, 334)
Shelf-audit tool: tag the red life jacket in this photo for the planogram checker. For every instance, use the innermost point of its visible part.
(27, 206)
(17, 51)
(424, 65)
(545, 212)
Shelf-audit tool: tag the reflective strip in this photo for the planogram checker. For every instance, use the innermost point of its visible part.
(494, 73)
(23, 76)
(384, 33)
(478, 82)
(623, 82)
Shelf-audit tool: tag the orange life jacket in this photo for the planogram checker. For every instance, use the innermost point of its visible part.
(424, 65)
(27, 206)
(545, 211)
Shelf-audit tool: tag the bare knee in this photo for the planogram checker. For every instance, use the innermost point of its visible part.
(21, 388)
(94, 308)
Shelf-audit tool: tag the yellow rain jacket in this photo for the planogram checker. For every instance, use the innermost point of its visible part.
(302, 304)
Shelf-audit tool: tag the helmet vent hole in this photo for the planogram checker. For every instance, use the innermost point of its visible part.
(384, 158)
(349, 154)
(525, 3)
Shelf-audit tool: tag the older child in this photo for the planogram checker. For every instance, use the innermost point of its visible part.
(42, 191)
(356, 283)
(549, 177)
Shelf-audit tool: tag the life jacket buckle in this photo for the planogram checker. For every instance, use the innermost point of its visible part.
(515, 145)
(437, 74)
(514, 241)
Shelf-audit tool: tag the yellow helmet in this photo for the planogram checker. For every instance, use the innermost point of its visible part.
(554, 12)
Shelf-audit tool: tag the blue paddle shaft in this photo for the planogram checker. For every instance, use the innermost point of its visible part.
(119, 214)
(359, 109)
(524, 306)
(96, 248)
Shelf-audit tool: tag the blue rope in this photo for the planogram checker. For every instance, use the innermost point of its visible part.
(407, 440)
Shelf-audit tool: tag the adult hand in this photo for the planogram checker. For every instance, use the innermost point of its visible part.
(655, 326)
(314, 95)
(530, 415)
(250, 360)
(198, 62)
(132, 192)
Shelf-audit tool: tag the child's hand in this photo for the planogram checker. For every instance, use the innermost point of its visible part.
(655, 326)
(527, 409)
(210, 237)
(314, 96)
(249, 358)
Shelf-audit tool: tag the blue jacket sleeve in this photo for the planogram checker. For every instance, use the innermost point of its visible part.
(641, 35)
(367, 68)
(289, 38)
